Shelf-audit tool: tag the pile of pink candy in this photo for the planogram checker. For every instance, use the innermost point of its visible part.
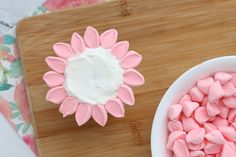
(203, 123)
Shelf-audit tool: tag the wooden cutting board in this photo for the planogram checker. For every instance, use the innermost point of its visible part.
(171, 35)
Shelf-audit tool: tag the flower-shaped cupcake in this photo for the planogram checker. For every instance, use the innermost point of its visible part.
(93, 76)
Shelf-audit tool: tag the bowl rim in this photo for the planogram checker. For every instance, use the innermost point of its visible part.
(185, 75)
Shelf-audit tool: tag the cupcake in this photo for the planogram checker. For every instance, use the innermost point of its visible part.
(92, 76)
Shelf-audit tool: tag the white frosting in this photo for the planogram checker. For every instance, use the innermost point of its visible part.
(93, 76)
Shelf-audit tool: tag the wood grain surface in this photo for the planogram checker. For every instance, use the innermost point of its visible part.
(171, 35)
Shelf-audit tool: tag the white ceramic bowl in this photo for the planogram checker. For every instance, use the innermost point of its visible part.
(174, 93)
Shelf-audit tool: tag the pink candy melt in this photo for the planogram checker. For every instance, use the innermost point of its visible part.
(131, 60)
(91, 37)
(77, 43)
(223, 77)
(108, 38)
(115, 107)
(189, 107)
(189, 124)
(126, 94)
(174, 112)
(195, 136)
(120, 49)
(133, 78)
(57, 64)
(180, 149)
(83, 114)
(69, 106)
(56, 94)
(196, 94)
(204, 85)
(215, 92)
(53, 79)
(99, 114)
(203, 123)
(63, 50)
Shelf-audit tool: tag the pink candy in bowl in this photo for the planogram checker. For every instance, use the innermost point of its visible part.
(184, 84)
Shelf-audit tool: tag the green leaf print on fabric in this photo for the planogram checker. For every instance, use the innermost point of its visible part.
(43, 9)
(15, 69)
(4, 77)
(5, 86)
(14, 106)
(18, 126)
(8, 39)
(15, 114)
(5, 48)
(25, 128)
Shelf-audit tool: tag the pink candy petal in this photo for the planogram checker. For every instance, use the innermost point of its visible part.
(63, 50)
(189, 124)
(233, 79)
(232, 115)
(196, 153)
(195, 147)
(133, 77)
(115, 108)
(77, 43)
(57, 64)
(224, 110)
(212, 109)
(53, 79)
(56, 94)
(215, 137)
(174, 112)
(229, 89)
(212, 148)
(233, 125)
(204, 85)
(126, 95)
(209, 127)
(120, 49)
(108, 38)
(196, 94)
(228, 132)
(229, 149)
(219, 122)
(91, 37)
(175, 126)
(223, 77)
(204, 101)
(176, 135)
(180, 149)
(131, 60)
(185, 98)
(215, 92)
(195, 136)
(230, 102)
(69, 106)
(201, 115)
(83, 114)
(189, 107)
(99, 114)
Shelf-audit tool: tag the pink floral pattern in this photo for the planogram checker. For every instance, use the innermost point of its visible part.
(5, 109)
(30, 141)
(53, 5)
(13, 100)
(21, 99)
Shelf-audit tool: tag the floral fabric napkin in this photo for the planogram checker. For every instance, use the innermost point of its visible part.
(13, 100)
